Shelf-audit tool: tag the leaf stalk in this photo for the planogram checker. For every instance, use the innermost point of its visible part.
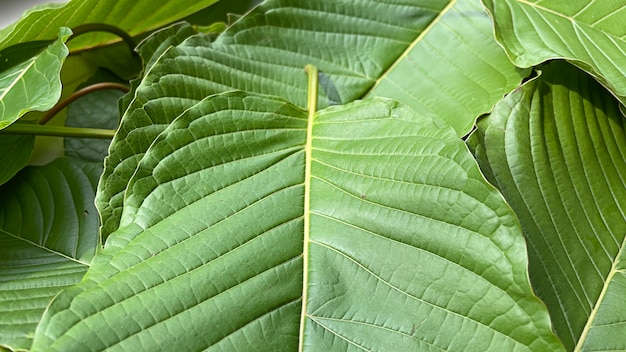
(89, 89)
(58, 131)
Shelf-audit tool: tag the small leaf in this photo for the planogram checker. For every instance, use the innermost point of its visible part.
(48, 235)
(556, 149)
(407, 248)
(32, 81)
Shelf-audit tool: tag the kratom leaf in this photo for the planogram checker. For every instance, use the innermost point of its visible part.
(48, 236)
(353, 43)
(29, 77)
(215, 218)
(590, 34)
(128, 15)
(556, 149)
(15, 151)
(455, 70)
(151, 49)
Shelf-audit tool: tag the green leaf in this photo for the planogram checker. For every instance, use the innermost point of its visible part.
(48, 236)
(128, 15)
(29, 77)
(151, 49)
(354, 45)
(555, 148)
(98, 109)
(15, 151)
(407, 247)
(590, 34)
(454, 69)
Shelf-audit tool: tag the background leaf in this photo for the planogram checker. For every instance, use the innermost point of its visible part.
(48, 236)
(98, 109)
(220, 263)
(15, 152)
(454, 69)
(591, 34)
(32, 84)
(353, 44)
(556, 149)
(130, 16)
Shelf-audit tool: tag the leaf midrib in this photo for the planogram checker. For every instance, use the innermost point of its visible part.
(45, 248)
(417, 40)
(569, 18)
(19, 77)
(583, 336)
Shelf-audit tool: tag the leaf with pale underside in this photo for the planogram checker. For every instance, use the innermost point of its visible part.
(48, 236)
(29, 77)
(210, 253)
(555, 148)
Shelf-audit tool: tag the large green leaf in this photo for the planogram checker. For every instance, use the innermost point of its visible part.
(355, 44)
(129, 15)
(591, 34)
(29, 77)
(406, 247)
(556, 148)
(48, 236)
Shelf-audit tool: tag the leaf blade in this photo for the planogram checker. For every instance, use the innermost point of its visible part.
(558, 159)
(130, 16)
(48, 235)
(25, 86)
(590, 35)
(239, 206)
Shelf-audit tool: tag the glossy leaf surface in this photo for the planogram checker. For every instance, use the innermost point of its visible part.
(29, 77)
(556, 149)
(48, 236)
(215, 216)
(591, 34)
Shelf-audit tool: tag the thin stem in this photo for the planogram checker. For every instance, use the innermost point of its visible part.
(103, 27)
(57, 131)
(92, 88)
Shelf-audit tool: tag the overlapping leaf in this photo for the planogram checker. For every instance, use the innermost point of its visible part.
(48, 235)
(29, 77)
(556, 149)
(128, 15)
(455, 70)
(589, 33)
(15, 152)
(354, 45)
(211, 239)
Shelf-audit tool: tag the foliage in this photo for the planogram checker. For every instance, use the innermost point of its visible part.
(440, 177)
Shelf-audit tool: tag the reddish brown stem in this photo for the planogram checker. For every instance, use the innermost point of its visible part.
(89, 89)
